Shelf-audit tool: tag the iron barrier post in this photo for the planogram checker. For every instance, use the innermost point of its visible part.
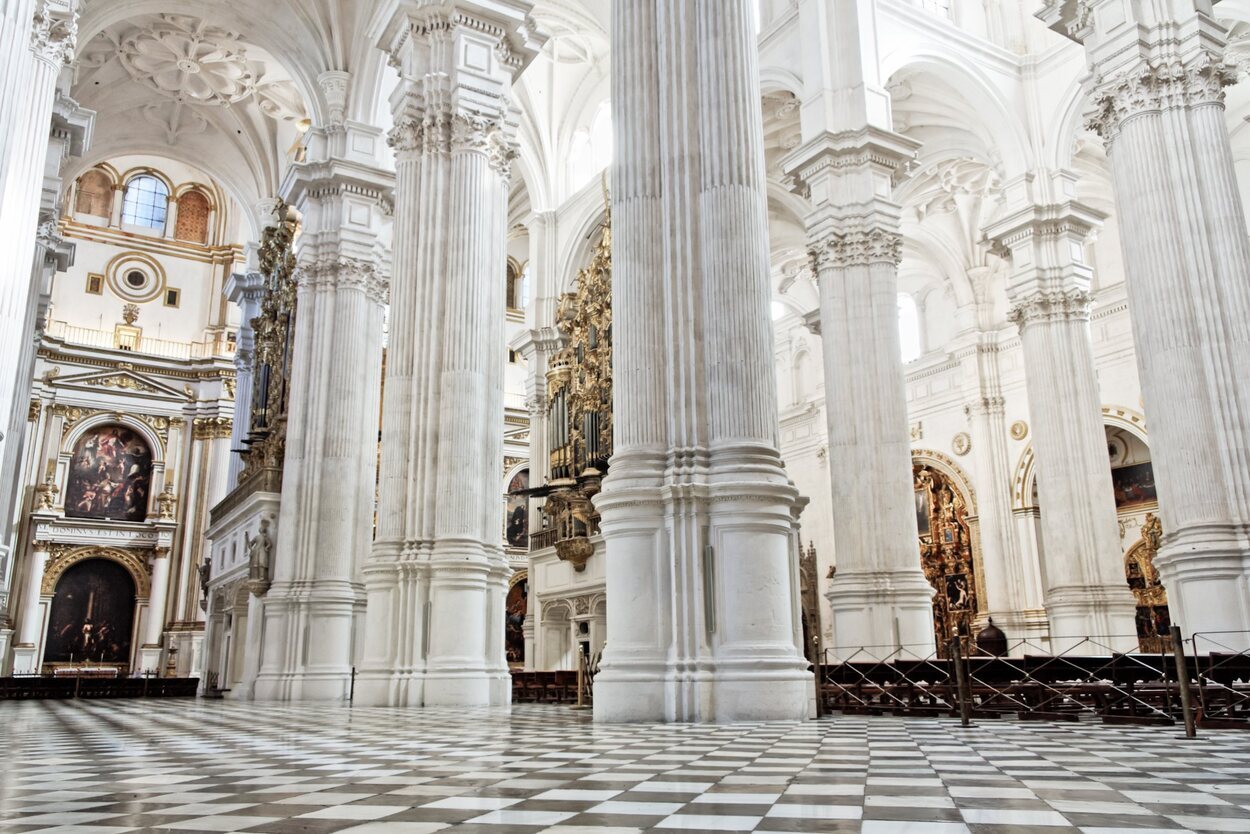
(961, 681)
(1182, 679)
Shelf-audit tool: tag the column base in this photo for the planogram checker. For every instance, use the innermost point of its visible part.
(1093, 620)
(881, 614)
(744, 692)
(468, 690)
(149, 660)
(1206, 571)
(303, 686)
(308, 637)
(6, 645)
(25, 660)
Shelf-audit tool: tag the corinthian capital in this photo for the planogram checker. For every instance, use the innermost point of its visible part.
(344, 273)
(1057, 306)
(485, 135)
(1155, 86)
(858, 247)
(54, 34)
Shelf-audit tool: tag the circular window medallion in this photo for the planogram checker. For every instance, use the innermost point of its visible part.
(135, 277)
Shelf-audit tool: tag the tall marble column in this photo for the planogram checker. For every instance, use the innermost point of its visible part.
(150, 650)
(848, 163)
(696, 509)
(26, 651)
(1157, 89)
(315, 606)
(1082, 563)
(437, 575)
(37, 40)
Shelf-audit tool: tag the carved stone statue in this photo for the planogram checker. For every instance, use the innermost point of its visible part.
(258, 555)
(206, 572)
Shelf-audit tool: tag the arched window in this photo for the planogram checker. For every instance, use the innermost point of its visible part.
(192, 223)
(110, 475)
(517, 287)
(146, 203)
(95, 194)
(591, 148)
(909, 328)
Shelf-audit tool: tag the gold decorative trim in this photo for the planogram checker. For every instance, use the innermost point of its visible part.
(139, 260)
(64, 556)
(211, 428)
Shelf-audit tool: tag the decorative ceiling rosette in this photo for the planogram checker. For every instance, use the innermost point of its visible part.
(189, 60)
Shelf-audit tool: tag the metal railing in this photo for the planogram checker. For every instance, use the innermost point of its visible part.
(170, 348)
(1222, 671)
(1091, 678)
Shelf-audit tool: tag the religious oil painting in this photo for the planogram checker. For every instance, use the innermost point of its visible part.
(922, 512)
(517, 521)
(514, 637)
(110, 475)
(92, 614)
(1134, 485)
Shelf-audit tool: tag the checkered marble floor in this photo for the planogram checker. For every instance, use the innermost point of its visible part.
(185, 766)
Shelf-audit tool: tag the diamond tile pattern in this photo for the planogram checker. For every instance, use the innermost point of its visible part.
(211, 766)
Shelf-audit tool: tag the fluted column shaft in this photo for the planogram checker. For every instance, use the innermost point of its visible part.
(1157, 89)
(879, 596)
(315, 605)
(1082, 565)
(437, 575)
(37, 39)
(696, 508)
(847, 167)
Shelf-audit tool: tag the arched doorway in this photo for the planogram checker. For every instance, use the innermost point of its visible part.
(92, 617)
(1136, 507)
(946, 553)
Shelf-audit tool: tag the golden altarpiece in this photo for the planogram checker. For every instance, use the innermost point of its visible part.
(946, 556)
(579, 416)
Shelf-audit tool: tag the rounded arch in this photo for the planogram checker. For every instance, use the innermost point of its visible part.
(1134, 422)
(587, 215)
(1069, 125)
(986, 100)
(155, 441)
(778, 79)
(68, 557)
(148, 171)
(953, 472)
(1023, 480)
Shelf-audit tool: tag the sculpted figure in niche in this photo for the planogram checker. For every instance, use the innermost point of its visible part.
(258, 552)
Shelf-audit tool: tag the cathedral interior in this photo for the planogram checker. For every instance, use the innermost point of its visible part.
(606, 415)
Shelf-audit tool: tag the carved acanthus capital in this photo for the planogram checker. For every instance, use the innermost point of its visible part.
(858, 247)
(1056, 306)
(54, 35)
(1155, 86)
(345, 273)
(485, 135)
